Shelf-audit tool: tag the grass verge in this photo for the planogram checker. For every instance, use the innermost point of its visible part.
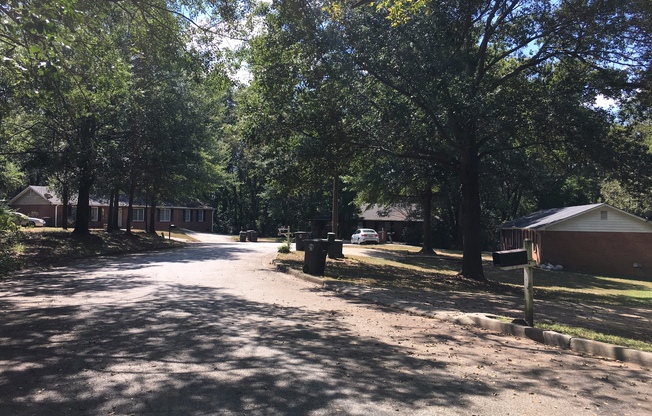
(402, 267)
(53, 247)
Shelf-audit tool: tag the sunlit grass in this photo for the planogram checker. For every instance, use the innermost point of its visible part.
(596, 336)
(579, 332)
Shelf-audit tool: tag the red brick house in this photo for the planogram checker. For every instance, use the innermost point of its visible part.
(597, 239)
(42, 202)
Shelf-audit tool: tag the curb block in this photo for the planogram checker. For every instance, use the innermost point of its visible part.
(550, 338)
(614, 352)
(566, 342)
(555, 339)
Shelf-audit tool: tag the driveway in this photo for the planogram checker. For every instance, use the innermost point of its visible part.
(211, 330)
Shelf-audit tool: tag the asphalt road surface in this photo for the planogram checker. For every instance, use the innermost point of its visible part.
(211, 330)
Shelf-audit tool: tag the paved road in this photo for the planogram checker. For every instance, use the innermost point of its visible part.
(211, 330)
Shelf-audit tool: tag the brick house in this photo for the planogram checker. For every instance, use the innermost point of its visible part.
(42, 202)
(596, 239)
(392, 219)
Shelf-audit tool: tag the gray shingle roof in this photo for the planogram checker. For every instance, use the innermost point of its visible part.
(546, 217)
(390, 213)
(51, 196)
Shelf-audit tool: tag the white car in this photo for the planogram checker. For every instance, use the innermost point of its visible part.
(35, 222)
(364, 235)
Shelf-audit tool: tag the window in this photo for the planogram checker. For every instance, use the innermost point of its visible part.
(95, 213)
(139, 214)
(165, 215)
(200, 215)
(187, 215)
(603, 215)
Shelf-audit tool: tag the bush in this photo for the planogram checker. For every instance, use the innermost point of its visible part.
(7, 220)
(9, 241)
(284, 248)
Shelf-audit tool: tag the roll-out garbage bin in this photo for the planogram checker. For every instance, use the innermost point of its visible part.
(314, 260)
(300, 238)
(253, 235)
(335, 247)
(243, 236)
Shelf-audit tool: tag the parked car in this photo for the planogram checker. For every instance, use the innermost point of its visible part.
(21, 219)
(364, 235)
(35, 222)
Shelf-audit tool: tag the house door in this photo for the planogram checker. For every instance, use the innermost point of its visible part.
(120, 218)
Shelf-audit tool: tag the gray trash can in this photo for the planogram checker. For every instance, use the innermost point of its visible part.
(314, 260)
(243, 236)
(300, 238)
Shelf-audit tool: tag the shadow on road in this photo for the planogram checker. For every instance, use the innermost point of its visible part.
(184, 349)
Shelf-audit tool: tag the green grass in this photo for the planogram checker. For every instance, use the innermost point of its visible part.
(580, 332)
(403, 267)
(578, 287)
(596, 336)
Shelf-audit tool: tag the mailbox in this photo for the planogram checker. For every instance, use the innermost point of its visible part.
(508, 258)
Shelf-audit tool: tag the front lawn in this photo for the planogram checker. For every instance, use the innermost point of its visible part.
(610, 309)
(44, 247)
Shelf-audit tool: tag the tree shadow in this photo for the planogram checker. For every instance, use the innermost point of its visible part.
(119, 345)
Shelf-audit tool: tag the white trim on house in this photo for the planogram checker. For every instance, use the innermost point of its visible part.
(165, 215)
(95, 214)
(138, 214)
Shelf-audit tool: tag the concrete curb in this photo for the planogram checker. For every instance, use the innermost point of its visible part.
(550, 338)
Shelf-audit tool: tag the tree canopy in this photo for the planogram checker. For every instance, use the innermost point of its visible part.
(475, 111)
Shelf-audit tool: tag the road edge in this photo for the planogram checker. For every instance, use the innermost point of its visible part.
(490, 322)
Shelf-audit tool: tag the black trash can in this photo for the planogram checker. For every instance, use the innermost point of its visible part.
(253, 235)
(334, 247)
(300, 238)
(314, 260)
(243, 236)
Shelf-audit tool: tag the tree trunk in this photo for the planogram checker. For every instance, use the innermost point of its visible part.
(130, 210)
(112, 208)
(427, 218)
(83, 208)
(65, 201)
(472, 244)
(336, 197)
(253, 215)
(116, 211)
(145, 215)
(85, 162)
(152, 218)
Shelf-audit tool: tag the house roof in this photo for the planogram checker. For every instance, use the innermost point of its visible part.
(390, 213)
(44, 192)
(50, 196)
(548, 217)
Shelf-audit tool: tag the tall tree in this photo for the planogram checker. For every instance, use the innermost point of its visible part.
(304, 90)
(470, 69)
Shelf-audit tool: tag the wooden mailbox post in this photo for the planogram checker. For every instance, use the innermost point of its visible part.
(520, 259)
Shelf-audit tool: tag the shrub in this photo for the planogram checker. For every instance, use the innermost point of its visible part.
(284, 248)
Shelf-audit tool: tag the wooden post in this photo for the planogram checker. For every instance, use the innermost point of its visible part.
(528, 277)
